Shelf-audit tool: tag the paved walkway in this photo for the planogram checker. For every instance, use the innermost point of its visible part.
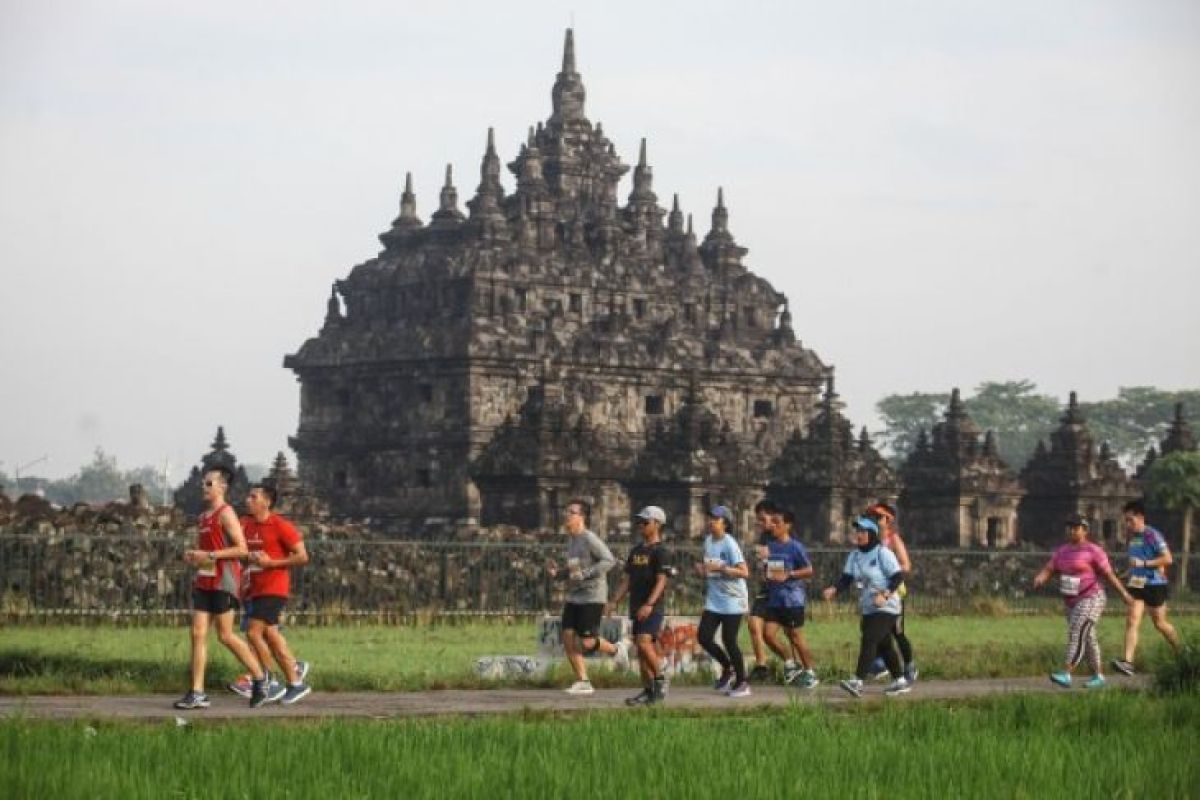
(499, 701)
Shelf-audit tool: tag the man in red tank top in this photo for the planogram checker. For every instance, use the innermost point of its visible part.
(275, 546)
(214, 592)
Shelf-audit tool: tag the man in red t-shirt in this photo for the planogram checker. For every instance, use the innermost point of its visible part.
(275, 546)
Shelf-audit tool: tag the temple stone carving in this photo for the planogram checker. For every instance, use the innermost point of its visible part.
(552, 340)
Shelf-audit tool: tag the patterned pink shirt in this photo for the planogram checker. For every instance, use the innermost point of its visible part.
(1079, 568)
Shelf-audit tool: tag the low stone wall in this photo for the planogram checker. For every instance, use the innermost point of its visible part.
(89, 573)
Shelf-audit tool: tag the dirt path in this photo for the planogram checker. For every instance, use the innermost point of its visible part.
(497, 701)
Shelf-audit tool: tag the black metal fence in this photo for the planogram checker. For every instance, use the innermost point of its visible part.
(130, 576)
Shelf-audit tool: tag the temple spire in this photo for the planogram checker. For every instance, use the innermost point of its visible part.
(333, 308)
(568, 60)
(568, 95)
(448, 213)
(675, 218)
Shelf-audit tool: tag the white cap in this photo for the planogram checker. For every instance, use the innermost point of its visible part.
(653, 512)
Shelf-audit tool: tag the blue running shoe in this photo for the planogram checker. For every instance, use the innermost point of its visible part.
(295, 693)
(1096, 682)
(1063, 679)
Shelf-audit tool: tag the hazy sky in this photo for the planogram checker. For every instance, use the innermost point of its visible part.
(949, 192)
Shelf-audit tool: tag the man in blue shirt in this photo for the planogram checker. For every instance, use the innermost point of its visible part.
(787, 568)
(1149, 558)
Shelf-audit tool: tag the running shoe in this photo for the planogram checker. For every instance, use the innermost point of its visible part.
(275, 691)
(1063, 679)
(724, 682)
(621, 659)
(643, 698)
(580, 687)
(295, 693)
(853, 685)
(911, 671)
(660, 688)
(791, 674)
(1123, 667)
(761, 672)
(898, 686)
(1095, 682)
(241, 687)
(192, 699)
(258, 691)
(741, 690)
(808, 679)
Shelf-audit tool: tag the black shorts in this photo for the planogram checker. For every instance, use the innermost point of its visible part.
(650, 626)
(790, 618)
(758, 606)
(1153, 596)
(583, 618)
(213, 601)
(266, 607)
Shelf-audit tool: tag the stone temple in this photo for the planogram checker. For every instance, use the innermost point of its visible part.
(553, 340)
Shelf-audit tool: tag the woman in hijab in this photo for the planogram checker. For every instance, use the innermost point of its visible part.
(877, 572)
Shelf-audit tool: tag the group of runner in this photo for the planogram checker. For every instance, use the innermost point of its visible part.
(876, 567)
(1081, 564)
(782, 570)
(270, 545)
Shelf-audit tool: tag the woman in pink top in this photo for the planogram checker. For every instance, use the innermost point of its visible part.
(1080, 565)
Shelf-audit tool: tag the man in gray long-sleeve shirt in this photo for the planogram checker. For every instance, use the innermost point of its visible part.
(586, 570)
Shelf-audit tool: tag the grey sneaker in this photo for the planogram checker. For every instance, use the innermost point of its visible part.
(741, 690)
(791, 675)
(295, 693)
(580, 687)
(275, 691)
(853, 685)
(911, 671)
(192, 699)
(898, 686)
(1122, 666)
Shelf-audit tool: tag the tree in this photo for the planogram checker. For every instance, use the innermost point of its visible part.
(1173, 482)
(1018, 416)
(101, 480)
(905, 415)
(1136, 419)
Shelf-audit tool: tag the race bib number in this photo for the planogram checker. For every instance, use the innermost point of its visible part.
(1137, 581)
(574, 569)
(777, 569)
(1068, 585)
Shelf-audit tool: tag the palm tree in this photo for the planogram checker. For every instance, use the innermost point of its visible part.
(1173, 482)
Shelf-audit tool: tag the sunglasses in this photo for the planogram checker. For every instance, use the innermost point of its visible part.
(209, 484)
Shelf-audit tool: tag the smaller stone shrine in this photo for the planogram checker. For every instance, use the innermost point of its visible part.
(1073, 476)
(958, 492)
(827, 477)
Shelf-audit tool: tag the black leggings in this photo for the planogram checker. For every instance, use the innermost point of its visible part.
(731, 656)
(906, 653)
(878, 635)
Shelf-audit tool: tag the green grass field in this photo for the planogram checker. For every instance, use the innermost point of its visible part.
(64, 659)
(1113, 745)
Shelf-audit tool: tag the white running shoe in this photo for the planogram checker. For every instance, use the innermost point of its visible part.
(580, 687)
(741, 690)
(898, 686)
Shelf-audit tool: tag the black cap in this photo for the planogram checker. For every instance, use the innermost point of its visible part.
(1077, 520)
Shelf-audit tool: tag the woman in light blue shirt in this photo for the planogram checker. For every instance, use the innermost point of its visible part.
(725, 601)
(876, 571)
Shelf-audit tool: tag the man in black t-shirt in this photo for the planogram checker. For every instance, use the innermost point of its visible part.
(645, 582)
(758, 602)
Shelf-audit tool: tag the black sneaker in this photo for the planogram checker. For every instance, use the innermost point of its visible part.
(760, 673)
(258, 691)
(1123, 667)
(643, 698)
(192, 699)
(660, 689)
